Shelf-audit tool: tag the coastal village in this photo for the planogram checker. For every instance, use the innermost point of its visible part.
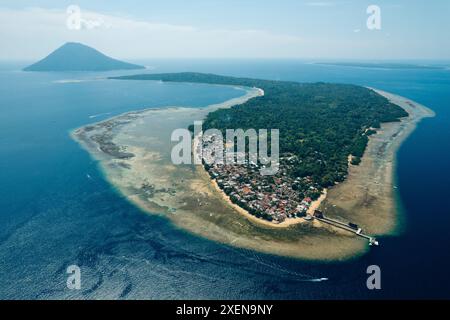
(274, 198)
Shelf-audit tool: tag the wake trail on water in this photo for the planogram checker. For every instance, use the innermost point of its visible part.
(251, 256)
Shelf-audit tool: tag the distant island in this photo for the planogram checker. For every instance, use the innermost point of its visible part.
(74, 56)
(385, 65)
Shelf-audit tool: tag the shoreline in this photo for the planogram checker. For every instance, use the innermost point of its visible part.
(426, 113)
(369, 188)
(130, 151)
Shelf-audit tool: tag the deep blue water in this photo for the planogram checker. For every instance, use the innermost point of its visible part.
(52, 215)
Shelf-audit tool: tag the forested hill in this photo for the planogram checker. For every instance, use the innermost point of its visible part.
(321, 123)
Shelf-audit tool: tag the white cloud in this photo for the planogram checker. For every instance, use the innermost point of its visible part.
(34, 32)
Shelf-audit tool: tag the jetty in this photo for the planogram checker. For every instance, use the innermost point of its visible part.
(350, 227)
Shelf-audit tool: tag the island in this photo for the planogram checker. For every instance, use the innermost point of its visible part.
(74, 56)
(385, 65)
(337, 148)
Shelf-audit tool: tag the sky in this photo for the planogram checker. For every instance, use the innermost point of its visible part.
(305, 29)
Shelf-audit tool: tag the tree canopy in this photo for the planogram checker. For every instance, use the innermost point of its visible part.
(321, 123)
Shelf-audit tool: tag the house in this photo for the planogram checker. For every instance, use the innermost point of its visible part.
(318, 214)
(301, 213)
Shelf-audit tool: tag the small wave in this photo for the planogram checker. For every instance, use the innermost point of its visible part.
(99, 115)
(69, 81)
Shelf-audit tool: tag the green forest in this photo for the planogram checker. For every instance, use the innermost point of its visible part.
(321, 123)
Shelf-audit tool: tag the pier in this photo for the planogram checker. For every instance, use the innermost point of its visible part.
(345, 226)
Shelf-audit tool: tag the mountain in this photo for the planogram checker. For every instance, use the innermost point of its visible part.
(79, 57)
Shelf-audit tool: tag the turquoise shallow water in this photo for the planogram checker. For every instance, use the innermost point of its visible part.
(56, 208)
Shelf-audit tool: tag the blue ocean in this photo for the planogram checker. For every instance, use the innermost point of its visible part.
(56, 208)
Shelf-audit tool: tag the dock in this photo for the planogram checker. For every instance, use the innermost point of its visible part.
(345, 226)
